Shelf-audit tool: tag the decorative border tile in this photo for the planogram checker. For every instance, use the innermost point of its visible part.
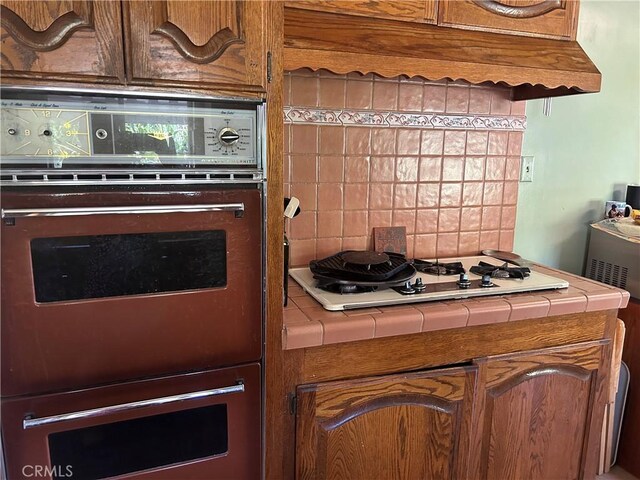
(402, 119)
(297, 115)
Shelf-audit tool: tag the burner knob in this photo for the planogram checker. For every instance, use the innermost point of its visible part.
(486, 281)
(464, 281)
(419, 286)
(407, 288)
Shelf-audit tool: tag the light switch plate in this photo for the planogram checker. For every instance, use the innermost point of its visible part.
(526, 168)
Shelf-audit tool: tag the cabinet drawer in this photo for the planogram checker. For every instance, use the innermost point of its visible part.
(537, 18)
(421, 11)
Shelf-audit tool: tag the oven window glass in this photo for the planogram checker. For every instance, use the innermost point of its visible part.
(74, 268)
(140, 444)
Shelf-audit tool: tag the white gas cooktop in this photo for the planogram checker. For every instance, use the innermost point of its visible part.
(438, 287)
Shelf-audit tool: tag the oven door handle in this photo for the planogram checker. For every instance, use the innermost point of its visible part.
(238, 208)
(31, 422)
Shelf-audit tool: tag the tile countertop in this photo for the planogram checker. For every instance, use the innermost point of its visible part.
(307, 324)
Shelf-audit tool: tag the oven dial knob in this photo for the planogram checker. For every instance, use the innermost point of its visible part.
(486, 281)
(228, 136)
(464, 281)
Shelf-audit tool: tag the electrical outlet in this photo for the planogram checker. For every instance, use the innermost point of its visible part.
(526, 168)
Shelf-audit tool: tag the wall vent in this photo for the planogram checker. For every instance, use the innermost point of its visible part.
(125, 177)
(608, 273)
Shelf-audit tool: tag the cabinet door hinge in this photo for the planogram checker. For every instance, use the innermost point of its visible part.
(293, 403)
(269, 67)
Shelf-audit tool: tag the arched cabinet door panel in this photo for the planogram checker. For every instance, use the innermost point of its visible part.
(66, 40)
(539, 413)
(178, 42)
(539, 18)
(414, 425)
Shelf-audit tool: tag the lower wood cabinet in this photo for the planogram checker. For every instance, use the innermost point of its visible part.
(533, 415)
(539, 414)
(398, 426)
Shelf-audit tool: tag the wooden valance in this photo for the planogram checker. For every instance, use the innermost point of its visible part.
(533, 67)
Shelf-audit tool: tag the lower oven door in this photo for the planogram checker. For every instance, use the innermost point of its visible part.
(101, 287)
(192, 426)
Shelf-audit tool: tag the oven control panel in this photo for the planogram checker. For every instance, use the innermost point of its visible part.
(54, 131)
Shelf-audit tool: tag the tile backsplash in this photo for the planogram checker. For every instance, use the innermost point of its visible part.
(361, 151)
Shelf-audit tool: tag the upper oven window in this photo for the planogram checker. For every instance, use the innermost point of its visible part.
(75, 268)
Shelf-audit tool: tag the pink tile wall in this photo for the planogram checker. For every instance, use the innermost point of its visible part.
(454, 190)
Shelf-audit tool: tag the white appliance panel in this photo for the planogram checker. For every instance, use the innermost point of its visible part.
(387, 296)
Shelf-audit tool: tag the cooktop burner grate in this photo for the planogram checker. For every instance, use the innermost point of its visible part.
(355, 271)
(365, 258)
(345, 284)
(354, 266)
(437, 268)
(500, 271)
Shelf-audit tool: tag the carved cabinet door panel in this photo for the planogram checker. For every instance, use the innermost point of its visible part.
(539, 414)
(65, 40)
(540, 18)
(179, 42)
(406, 426)
(422, 11)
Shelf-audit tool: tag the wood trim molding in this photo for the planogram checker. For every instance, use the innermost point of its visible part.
(278, 429)
(53, 37)
(534, 67)
(527, 11)
(392, 66)
(432, 349)
(207, 53)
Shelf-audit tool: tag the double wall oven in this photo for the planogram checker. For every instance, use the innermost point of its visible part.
(132, 279)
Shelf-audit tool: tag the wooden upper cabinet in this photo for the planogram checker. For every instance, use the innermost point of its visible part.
(538, 18)
(540, 414)
(413, 425)
(67, 40)
(188, 43)
(421, 11)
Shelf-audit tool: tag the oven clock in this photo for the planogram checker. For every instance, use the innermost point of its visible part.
(43, 132)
